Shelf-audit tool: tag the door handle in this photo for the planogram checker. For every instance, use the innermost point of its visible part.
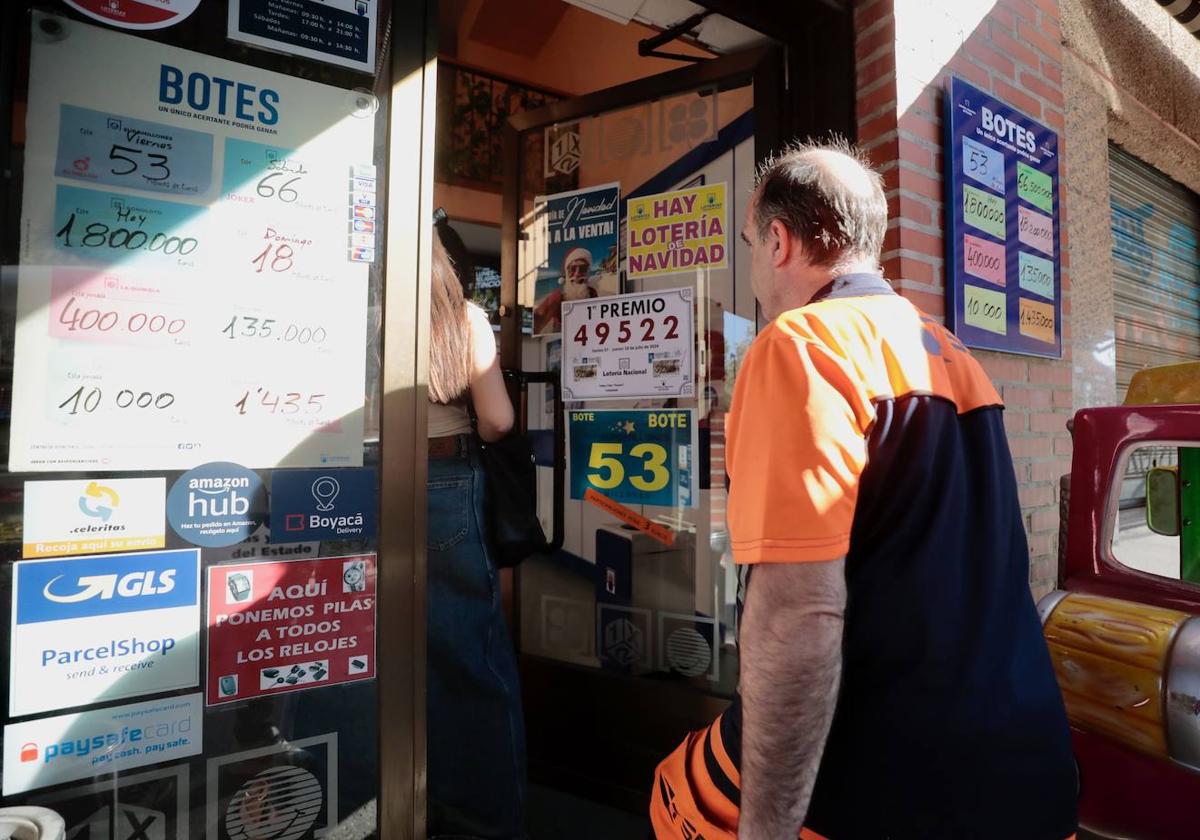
(521, 380)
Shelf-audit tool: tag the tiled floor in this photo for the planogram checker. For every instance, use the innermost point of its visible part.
(554, 815)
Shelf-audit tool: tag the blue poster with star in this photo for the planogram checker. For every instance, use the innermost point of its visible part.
(640, 457)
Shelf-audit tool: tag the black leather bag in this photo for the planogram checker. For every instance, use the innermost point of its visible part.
(511, 475)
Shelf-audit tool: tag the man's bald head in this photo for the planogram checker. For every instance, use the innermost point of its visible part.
(828, 197)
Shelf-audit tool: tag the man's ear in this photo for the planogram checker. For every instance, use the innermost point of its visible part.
(780, 243)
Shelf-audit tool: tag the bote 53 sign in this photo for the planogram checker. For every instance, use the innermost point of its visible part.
(635, 345)
(635, 457)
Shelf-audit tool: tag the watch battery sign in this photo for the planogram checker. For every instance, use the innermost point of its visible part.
(276, 627)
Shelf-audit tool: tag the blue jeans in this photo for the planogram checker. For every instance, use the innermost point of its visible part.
(476, 732)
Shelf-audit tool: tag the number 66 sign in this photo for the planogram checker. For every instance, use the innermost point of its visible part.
(641, 457)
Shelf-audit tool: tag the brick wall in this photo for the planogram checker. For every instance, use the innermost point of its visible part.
(905, 49)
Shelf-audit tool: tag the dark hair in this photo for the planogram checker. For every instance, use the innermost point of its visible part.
(835, 217)
(456, 250)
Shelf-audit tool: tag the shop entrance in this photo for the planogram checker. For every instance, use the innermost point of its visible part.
(628, 632)
(607, 248)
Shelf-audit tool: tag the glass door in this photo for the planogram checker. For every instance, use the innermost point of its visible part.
(198, 456)
(624, 273)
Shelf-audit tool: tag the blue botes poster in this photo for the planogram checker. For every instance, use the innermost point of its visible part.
(1004, 286)
(323, 505)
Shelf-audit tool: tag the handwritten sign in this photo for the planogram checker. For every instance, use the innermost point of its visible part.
(684, 230)
(635, 345)
(1036, 230)
(186, 305)
(1002, 226)
(1037, 275)
(983, 164)
(641, 457)
(986, 309)
(1035, 187)
(984, 259)
(984, 211)
(1037, 319)
(120, 151)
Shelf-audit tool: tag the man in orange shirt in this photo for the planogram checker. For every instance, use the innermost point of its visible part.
(894, 679)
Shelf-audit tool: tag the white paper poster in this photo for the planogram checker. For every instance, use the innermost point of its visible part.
(49, 751)
(636, 345)
(186, 294)
(82, 516)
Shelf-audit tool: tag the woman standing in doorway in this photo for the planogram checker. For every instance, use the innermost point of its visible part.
(476, 733)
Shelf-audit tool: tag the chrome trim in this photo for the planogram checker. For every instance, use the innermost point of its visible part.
(1049, 603)
(1182, 696)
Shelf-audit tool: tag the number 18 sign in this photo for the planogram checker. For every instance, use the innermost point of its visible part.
(640, 457)
(635, 345)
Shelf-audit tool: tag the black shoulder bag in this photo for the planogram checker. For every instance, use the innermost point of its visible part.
(511, 474)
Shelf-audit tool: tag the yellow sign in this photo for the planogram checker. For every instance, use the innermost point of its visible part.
(1037, 320)
(986, 309)
(678, 231)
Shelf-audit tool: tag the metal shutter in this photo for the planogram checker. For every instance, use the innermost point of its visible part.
(1156, 267)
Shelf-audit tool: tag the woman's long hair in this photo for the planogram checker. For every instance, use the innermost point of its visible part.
(450, 334)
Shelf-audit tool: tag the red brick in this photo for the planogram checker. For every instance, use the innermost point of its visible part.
(919, 127)
(973, 73)
(1003, 368)
(891, 267)
(1038, 496)
(877, 127)
(1048, 8)
(1052, 72)
(1049, 46)
(1044, 520)
(981, 51)
(1054, 119)
(1016, 422)
(1050, 373)
(916, 154)
(867, 13)
(1002, 16)
(1017, 98)
(1022, 396)
(1049, 422)
(1063, 446)
(1049, 26)
(919, 184)
(875, 70)
(1038, 86)
(882, 96)
(927, 302)
(919, 271)
(1031, 447)
(882, 152)
(924, 243)
(1021, 8)
(1063, 399)
(914, 209)
(1050, 470)
(1042, 544)
(868, 44)
(1011, 47)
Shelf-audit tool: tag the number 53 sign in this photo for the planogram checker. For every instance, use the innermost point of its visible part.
(641, 457)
